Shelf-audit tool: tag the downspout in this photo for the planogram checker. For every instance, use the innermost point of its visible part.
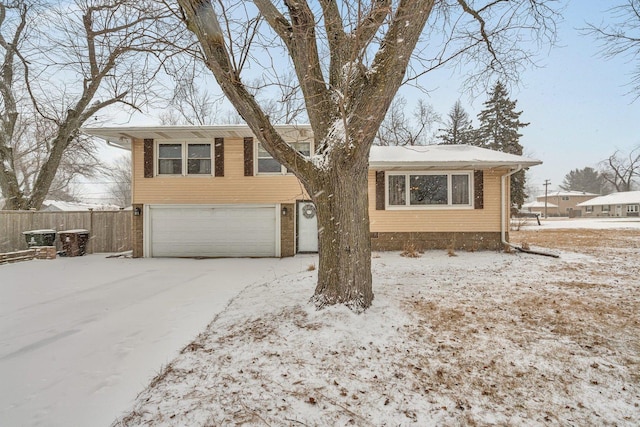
(503, 216)
(503, 209)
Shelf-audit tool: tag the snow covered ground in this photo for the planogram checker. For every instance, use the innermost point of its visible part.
(79, 337)
(573, 223)
(472, 339)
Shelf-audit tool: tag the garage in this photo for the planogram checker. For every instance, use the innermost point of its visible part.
(212, 231)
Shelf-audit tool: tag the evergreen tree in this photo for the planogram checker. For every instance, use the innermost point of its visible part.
(588, 180)
(499, 130)
(459, 129)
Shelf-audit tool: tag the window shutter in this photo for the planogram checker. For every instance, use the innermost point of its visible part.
(219, 157)
(379, 190)
(248, 156)
(148, 158)
(478, 189)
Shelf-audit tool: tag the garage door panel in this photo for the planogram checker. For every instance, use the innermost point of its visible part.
(213, 231)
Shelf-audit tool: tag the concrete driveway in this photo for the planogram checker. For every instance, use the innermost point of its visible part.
(80, 337)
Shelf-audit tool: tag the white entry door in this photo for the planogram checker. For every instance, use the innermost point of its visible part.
(307, 227)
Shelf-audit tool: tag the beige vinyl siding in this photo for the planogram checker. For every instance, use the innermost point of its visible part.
(232, 188)
(440, 219)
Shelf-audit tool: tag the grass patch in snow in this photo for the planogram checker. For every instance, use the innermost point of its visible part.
(481, 338)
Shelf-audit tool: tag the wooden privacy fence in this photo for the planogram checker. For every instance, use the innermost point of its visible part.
(109, 231)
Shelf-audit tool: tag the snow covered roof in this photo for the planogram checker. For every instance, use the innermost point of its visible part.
(623, 198)
(387, 157)
(539, 204)
(57, 205)
(562, 193)
(450, 156)
(121, 136)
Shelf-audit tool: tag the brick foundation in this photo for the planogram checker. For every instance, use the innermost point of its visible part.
(137, 226)
(287, 230)
(468, 241)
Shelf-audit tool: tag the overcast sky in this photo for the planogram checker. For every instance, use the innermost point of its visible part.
(576, 102)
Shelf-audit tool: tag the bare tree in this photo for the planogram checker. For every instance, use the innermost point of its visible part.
(620, 171)
(621, 37)
(348, 90)
(63, 62)
(398, 129)
(119, 178)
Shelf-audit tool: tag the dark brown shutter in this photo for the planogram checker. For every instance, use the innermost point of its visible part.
(379, 190)
(219, 157)
(148, 158)
(248, 156)
(478, 189)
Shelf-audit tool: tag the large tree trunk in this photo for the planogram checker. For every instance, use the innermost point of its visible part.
(344, 274)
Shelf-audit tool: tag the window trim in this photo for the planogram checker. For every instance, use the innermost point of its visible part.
(185, 159)
(448, 206)
(283, 170)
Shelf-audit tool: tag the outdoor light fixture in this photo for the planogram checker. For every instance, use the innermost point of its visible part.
(136, 212)
(284, 211)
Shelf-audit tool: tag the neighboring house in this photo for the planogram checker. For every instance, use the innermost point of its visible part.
(214, 191)
(537, 207)
(622, 204)
(58, 206)
(566, 202)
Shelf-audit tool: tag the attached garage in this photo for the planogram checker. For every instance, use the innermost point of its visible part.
(212, 231)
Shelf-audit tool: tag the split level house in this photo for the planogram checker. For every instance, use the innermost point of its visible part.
(562, 203)
(214, 191)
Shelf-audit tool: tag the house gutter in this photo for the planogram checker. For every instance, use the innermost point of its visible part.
(503, 216)
(503, 208)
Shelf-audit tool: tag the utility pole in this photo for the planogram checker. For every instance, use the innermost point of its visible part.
(546, 191)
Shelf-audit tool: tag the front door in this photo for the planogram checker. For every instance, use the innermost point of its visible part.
(307, 227)
(618, 210)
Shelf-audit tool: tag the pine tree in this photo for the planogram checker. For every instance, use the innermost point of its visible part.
(586, 179)
(459, 129)
(499, 130)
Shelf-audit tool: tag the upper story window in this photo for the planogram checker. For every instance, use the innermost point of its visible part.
(268, 165)
(439, 189)
(184, 159)
(565, 198)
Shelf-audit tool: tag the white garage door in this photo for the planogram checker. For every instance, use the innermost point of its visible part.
(213, 231)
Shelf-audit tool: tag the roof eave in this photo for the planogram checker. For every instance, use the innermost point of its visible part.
(383, 165)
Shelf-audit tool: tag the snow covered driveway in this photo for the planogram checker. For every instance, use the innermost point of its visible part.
(80, 337)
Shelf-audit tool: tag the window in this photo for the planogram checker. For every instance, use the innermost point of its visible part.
(429, 189)
(565, 198)
(199, 159)
(632, 208)
(170, 159)
(606, 208)
(268, 165)
(184, 159)
(588, 209)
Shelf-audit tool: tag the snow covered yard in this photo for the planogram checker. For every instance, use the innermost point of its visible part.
(474, 339)
(79, 337)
